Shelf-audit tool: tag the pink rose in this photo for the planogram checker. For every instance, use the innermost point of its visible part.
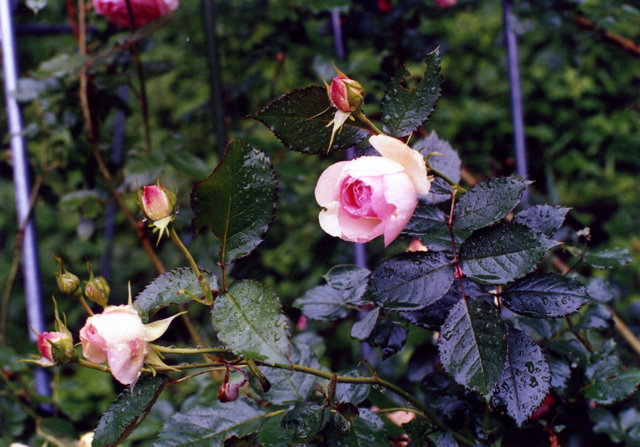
(119, 337)
(144, 11)
(372, 196)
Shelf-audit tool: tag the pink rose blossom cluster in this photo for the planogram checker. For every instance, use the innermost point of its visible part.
(144, 11)
(372, 196)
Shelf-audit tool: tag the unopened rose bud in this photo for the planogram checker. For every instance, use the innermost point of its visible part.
(97, 290)
(346, 94)
(157, 202)
(55, 348)
(68, 283)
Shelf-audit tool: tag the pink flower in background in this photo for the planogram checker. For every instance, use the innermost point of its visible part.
(372, 196)
(119, 337)
(144, 11)
(446, 3)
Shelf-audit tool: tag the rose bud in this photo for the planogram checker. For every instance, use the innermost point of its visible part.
(97, 290)
(158, 204)
(144, 11)
(346, 94)
(55, 348)
(68, 283)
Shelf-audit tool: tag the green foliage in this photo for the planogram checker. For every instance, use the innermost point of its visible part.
(128, 410)
(248, 320)
(211, 425)
(169, 288)
(406, 109)
(582, 124)
(237, 201)
(301, 120)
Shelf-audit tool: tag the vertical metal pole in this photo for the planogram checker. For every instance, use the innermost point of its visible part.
(516, 96)
(215, 74)
(359, 250)
(30, 265)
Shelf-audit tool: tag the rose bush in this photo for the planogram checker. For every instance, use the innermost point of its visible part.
(119, 337)
(372, 196)
(144, 11)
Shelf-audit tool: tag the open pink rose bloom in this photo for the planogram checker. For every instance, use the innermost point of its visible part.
(372, 196)
(119, 337)
(144, 11)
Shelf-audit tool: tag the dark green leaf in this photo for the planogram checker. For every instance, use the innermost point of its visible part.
(201, 426)
(447, 440)
(300, 119)
(433, 316)
(324, 303)
(619, 427)
(341, 423)
(608, 259)
(271, 433)
(348, 410)
(362, 329)
(248, 320)
(441, 241)
(488, 202)
(366, 431)
(237, 201)
(417, 432)
(546, 219)
(525, 381)
(502, 253)
(602, 290)
(289, 386)
(344, 277)
(411, 281)
(404, 110)
(445, 160)
(352, 392)
(596, 316)
(545, 296)
(169, 288)
(427, 219)
(560, 371)
(304, 421)
(614, 388)
(472, 345)
(128, 410)
(390, 337)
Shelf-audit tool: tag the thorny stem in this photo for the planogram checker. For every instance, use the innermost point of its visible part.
(204, 283)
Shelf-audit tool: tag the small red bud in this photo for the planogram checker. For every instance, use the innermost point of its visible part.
(346, 94)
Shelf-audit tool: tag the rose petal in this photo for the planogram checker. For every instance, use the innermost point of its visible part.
(412, 160)
(328, 183)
